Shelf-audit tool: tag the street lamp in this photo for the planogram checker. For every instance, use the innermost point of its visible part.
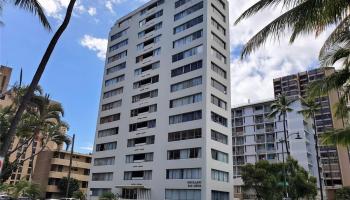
(282, 141)
(70, 164)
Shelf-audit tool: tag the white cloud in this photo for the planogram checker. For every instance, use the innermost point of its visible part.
(252, 78)
(99, 45)
(92, 11)
(54, 8)
(89, 148)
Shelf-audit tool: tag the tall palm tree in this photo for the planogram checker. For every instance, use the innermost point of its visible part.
(309, 111)
(280, 108)
(338, 136)
(35, 81)
(301, 17)
(32, 6)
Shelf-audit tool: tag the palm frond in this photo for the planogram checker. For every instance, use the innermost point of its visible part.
(338, 52)
(34, 7)
(339, 136)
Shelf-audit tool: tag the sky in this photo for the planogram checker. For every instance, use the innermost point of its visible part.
(75, 71)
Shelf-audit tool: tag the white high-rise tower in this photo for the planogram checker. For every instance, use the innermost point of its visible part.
(163, 129)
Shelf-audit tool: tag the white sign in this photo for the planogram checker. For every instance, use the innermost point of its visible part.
(1, 163)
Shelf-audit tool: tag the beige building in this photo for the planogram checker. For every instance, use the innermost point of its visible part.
(335, 160)
(52, 166)
(5, 74)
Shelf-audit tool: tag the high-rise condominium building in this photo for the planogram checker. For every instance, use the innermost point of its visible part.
(257, 137)
(335, 160)
(163, 129)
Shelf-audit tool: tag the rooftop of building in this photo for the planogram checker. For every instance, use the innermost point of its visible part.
(253, 103)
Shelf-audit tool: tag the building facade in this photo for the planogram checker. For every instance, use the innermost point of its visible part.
(257, 137)
(163, 129)
(335, 160)
(5, 74)
(52, 166)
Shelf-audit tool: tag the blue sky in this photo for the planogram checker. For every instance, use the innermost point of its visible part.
(74, 72)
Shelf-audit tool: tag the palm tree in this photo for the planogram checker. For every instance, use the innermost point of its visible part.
(301, 17)
(35, 81)
(24, 188)
(32, 6)
(108, 196)
(338, 136)
(281, 107)
(309, 111)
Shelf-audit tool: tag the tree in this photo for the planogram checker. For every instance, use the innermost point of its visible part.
(22, 188)
(281, 107)
(309, 111)
(301, 17)
(32, 6)
(266, 180)
(108, 196)
(79, 195)
(342, 193)
(73, 186)
(35, 81)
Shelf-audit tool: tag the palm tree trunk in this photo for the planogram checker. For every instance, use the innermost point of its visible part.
(35, 81)
(285, 134)
(318, 158)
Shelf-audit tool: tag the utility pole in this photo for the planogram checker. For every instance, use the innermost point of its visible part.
(70, 165)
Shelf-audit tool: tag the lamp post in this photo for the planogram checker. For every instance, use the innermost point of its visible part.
(283, 141)
(70, 165)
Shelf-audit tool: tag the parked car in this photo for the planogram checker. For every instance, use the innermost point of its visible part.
(5, 197)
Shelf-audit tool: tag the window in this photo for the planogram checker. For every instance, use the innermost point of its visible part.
(147, 55)
(219, 137)
(218, 175)
(188, 24)
(112, 93)
(184, 153)
(142, 125)
(218, 70)
(185, 117)
(188, 11)
(189, 173)
(116, 68)
(219, 156)
(147, 81)
(154, 40)
(129, 193)
(187, 39)
(118, 56)
(181, 2)
(104, 161)
(217, 12)
(218, 102)
(187, 68)
(141, 70)
(188, 53)
(186, 84)
(96, 192)
(221, 4)
(102, 176)
(114, 80)
(218, 27)
(218, 55)
(186, 100)
(106, 146)
(219, 86)
(141, 157)
(150, 94)
(150, 29)
(218, 40)
(112, 105)
(138, 175)
(124, 22)
(141, 141)
(119, 34)
(218, 119)
(150, 18)
(110, 118)
(185, 135)
(146, 109)
(218, 195)
(152, 6)
(181, 194)
(108, 132)
(118, 45)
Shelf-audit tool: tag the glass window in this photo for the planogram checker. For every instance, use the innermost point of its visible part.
(186, 84)
(218, 119)
(219, 137)
(150, 18)
(118, 45)
(218, 102)
(185, 117)
(219, 156)
(138, 175)
(99, 191)
(145, 109)
(106, 146)
(119, 34)
(188, 53)
(102, 176)
(110, 106)
(108, 132)
(218, 70)
(187, 39)
(188, 173)
(116, 68)
(218, 55)
(141, 157)
(104, 161)
(219, 86)
(150, 29)
(188, 24)
(142, 125)
(146, 68)
(145, 95)
(114, 80)
(188, 11)
(185, 135)
(141, 141)
(181, 2)
(118, 56)
(185, 153)
(218, 13)
(218, 195)
(218, 26)
(110, 118)
(149, 54)
(218, 175)
(147, 81)
(182, 194)
(218, 40)
(112, 93)
(195, 98)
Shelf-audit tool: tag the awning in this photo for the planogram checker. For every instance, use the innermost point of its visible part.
(132, 187)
